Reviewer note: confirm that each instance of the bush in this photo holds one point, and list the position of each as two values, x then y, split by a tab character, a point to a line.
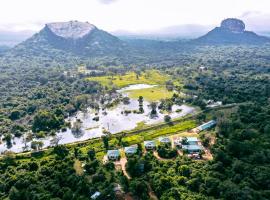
166	152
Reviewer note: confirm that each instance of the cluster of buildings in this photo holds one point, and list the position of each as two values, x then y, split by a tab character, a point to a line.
190	145
115	154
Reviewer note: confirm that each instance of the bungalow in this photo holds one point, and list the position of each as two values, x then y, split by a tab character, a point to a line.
194	148
131	150
95	195
207	125
164	140
192	145
192	141
149	145
113	154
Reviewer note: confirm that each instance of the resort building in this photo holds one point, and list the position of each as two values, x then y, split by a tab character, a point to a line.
164	140
149	145
113	154
207	125
131	150
192	145
95	195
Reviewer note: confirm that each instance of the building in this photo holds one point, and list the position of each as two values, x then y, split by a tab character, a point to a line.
113	154
95	195
207	125
164	140
192	145
149	145
131	150
192	140
192	148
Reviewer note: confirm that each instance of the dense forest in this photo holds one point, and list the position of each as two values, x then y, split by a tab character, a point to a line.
38	95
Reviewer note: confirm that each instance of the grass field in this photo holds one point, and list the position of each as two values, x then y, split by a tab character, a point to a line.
151	94
151	77
157	132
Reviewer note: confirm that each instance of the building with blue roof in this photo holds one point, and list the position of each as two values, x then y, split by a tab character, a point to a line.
165	140
192	140
113	154
194	148
192	145
131	150
149	144
207	125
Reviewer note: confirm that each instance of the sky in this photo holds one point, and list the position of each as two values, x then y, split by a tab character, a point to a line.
132	15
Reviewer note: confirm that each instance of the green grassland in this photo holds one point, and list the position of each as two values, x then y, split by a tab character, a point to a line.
151	94
151	77
162	131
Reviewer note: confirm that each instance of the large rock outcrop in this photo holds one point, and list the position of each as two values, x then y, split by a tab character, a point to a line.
233	25
231	31
71	29
75	38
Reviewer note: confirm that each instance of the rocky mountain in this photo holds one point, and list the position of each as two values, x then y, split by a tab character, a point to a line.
231	31
74	38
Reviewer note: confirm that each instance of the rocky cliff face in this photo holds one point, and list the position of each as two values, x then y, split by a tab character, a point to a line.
233	25
231	31
71	29
73	37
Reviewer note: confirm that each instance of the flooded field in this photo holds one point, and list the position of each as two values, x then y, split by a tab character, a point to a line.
113	120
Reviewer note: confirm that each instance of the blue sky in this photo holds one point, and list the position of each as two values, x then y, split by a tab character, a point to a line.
132	15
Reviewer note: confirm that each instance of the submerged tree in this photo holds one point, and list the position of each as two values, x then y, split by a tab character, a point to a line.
140	100
153	106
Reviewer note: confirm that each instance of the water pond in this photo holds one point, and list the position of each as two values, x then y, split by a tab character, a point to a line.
113	120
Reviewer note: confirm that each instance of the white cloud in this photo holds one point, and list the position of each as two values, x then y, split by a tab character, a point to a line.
131	15
107	1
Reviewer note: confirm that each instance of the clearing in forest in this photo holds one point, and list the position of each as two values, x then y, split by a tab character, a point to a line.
151	94
151	77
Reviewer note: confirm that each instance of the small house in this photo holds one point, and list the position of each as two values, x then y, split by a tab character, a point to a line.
207	125
149	145
113	154
192	140
164	140
131	150
95	195
191	149
192	145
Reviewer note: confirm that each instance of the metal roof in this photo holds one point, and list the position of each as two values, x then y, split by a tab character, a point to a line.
113	152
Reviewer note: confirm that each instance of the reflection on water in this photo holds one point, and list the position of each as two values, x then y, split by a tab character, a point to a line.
114	121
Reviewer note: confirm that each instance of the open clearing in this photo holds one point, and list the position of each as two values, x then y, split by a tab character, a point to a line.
151	94
151	77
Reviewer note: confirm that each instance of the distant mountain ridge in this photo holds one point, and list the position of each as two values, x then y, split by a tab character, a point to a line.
231	31
72	42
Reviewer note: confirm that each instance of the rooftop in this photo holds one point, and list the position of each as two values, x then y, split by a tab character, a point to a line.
113	152
164	139
192	147
207	125
131	149
192	139
95	195
150	142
